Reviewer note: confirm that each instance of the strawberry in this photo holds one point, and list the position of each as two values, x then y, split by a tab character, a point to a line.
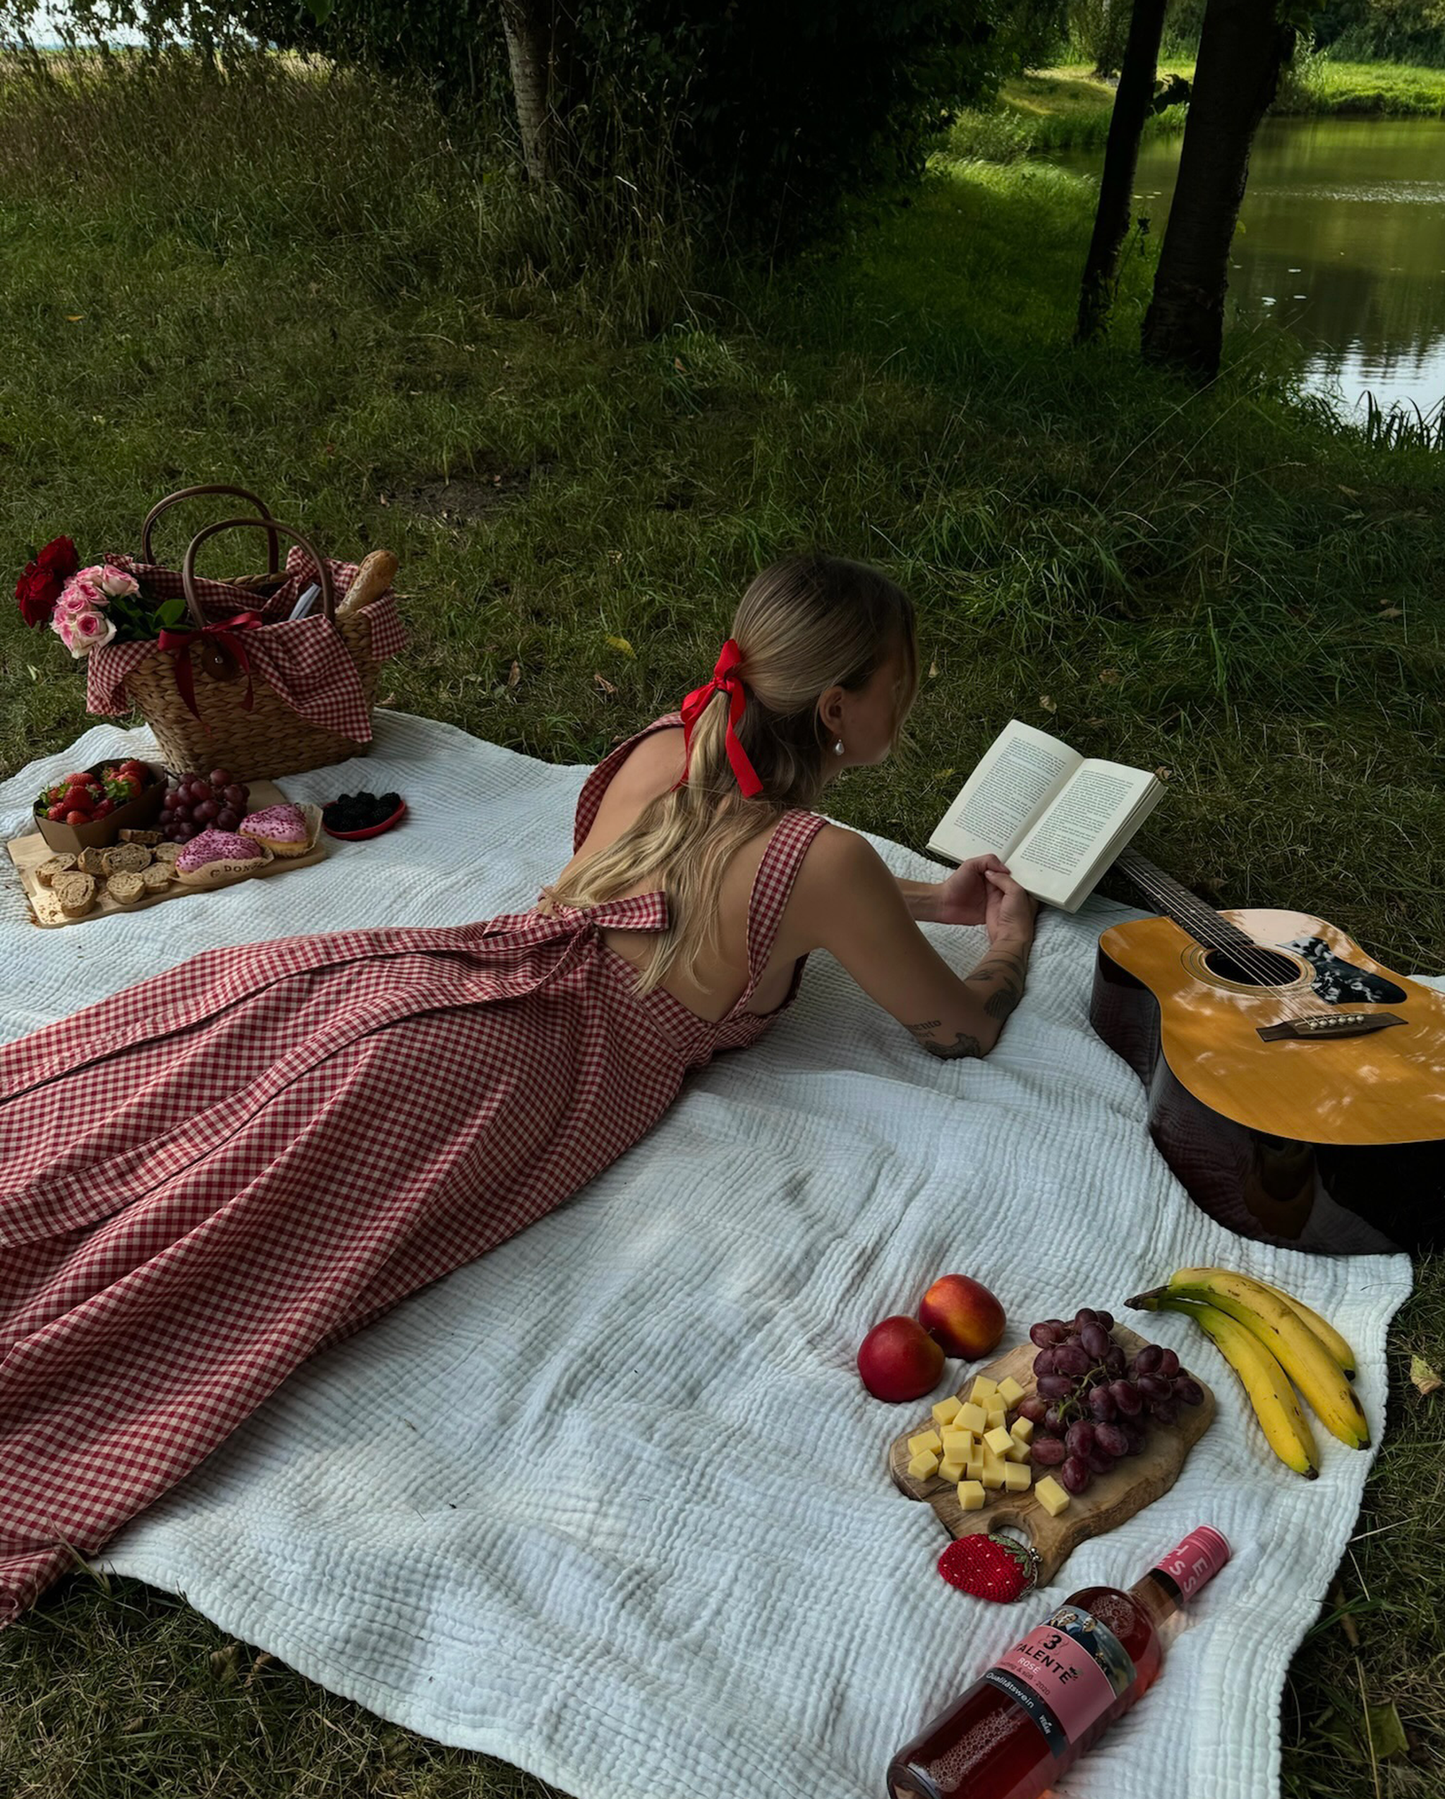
56	815
76	779
103	809
77	818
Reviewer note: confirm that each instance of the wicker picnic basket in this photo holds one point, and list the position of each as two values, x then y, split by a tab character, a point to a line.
199	688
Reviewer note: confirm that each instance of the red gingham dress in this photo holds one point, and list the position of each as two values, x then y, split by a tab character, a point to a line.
211	1175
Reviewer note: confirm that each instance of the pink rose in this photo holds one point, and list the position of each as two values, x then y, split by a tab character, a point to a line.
116	584
81	595
82	630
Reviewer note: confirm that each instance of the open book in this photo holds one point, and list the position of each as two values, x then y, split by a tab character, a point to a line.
1056	818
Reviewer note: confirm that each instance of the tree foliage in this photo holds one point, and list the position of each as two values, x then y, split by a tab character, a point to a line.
769	110
1408	31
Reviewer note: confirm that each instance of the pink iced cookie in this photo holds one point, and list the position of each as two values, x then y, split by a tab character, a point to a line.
216	846
283	829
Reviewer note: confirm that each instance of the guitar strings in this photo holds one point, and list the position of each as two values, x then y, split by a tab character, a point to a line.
1251	956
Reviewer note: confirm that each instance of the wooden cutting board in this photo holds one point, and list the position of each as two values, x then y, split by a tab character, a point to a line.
29	851
1130	1485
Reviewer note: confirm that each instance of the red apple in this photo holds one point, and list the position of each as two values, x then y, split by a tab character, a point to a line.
899	1360
962	1316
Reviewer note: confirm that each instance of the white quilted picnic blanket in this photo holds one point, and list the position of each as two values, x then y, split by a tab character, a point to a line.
611	1503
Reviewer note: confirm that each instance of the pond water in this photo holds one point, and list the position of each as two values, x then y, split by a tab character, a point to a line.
1342	243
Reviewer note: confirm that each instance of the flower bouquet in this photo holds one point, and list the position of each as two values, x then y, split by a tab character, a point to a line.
88	607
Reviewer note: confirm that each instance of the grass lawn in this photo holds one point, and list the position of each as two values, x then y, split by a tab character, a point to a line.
257	282
1070	107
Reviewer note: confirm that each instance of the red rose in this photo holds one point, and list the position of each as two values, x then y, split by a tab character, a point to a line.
43	579
60	557
37	591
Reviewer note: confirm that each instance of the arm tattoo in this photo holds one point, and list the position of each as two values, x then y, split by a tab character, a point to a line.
962	1045
1007	971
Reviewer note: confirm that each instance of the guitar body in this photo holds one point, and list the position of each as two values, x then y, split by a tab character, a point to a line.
1290	1138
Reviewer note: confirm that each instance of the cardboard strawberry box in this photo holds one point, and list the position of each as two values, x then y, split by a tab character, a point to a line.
138	814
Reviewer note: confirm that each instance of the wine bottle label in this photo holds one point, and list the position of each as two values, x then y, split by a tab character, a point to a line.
1198	1558
1065	1674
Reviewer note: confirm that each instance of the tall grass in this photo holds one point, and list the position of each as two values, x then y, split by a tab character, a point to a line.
304	281
1069	107
388	197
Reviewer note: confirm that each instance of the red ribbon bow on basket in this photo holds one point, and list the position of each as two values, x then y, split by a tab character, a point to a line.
177	645
725	679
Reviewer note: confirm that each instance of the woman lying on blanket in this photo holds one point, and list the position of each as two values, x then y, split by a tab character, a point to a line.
209	1176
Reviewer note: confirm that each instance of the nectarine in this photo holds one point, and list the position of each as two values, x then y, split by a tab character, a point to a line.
899	1360
962	1316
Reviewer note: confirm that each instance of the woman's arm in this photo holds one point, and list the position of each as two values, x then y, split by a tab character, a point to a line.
846	901
961	898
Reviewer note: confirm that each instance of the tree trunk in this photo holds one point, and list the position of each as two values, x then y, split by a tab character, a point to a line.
1132	106
1242	48
540	38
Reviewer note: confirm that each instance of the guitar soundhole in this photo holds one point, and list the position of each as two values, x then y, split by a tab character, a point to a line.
1259	968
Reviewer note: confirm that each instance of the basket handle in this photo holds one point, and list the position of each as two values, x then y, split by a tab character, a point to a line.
267	524
186	493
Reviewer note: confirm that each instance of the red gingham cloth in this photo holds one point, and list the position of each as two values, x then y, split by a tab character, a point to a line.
212	1174
307	663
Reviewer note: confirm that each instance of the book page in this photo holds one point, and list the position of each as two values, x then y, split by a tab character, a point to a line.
1019	774
1089	821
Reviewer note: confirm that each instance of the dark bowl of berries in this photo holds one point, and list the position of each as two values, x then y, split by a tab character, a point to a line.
357	815
90	807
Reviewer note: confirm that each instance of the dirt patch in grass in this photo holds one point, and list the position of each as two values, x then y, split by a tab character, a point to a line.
460	500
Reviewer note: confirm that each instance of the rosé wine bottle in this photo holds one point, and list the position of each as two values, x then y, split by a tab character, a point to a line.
1055	1693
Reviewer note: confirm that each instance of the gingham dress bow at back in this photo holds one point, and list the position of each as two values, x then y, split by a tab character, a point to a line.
213	1174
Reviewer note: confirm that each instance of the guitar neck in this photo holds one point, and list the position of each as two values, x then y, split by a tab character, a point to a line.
1188	911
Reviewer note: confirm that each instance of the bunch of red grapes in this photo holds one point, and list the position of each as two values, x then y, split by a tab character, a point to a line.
195	803
1091	1404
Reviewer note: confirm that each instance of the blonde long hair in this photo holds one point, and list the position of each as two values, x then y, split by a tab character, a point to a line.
804	625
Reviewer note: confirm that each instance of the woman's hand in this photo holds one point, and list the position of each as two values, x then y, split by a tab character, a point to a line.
964	897
1009	913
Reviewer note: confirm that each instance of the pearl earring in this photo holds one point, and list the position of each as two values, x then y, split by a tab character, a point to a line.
838	747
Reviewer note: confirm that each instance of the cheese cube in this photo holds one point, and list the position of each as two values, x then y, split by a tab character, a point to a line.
957	1442
984	1392
974	1418
970	1495
923	1466
1016	1477
1017	1452
950	1469
946	1410
993	1468
1022	1430
1009	1391
1051	1496
925	1441
996	1416
998	1440
973	1467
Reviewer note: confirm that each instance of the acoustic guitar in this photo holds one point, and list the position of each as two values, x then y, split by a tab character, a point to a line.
1296	1086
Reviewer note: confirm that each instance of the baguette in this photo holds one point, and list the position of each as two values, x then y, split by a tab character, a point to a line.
76	893
57	865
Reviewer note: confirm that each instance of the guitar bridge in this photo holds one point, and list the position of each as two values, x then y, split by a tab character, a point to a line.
1330	1024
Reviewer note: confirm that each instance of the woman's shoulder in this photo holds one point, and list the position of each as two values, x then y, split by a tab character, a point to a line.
654	761
839	884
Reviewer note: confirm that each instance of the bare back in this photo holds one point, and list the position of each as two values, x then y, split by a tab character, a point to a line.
652	769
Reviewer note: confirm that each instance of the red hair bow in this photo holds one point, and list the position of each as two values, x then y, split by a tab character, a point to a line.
725	679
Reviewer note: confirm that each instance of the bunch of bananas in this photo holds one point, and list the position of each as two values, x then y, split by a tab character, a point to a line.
1271	1339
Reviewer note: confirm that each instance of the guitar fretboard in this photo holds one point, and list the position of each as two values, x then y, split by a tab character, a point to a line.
1187	910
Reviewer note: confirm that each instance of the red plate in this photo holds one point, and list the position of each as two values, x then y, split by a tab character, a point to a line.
371	830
